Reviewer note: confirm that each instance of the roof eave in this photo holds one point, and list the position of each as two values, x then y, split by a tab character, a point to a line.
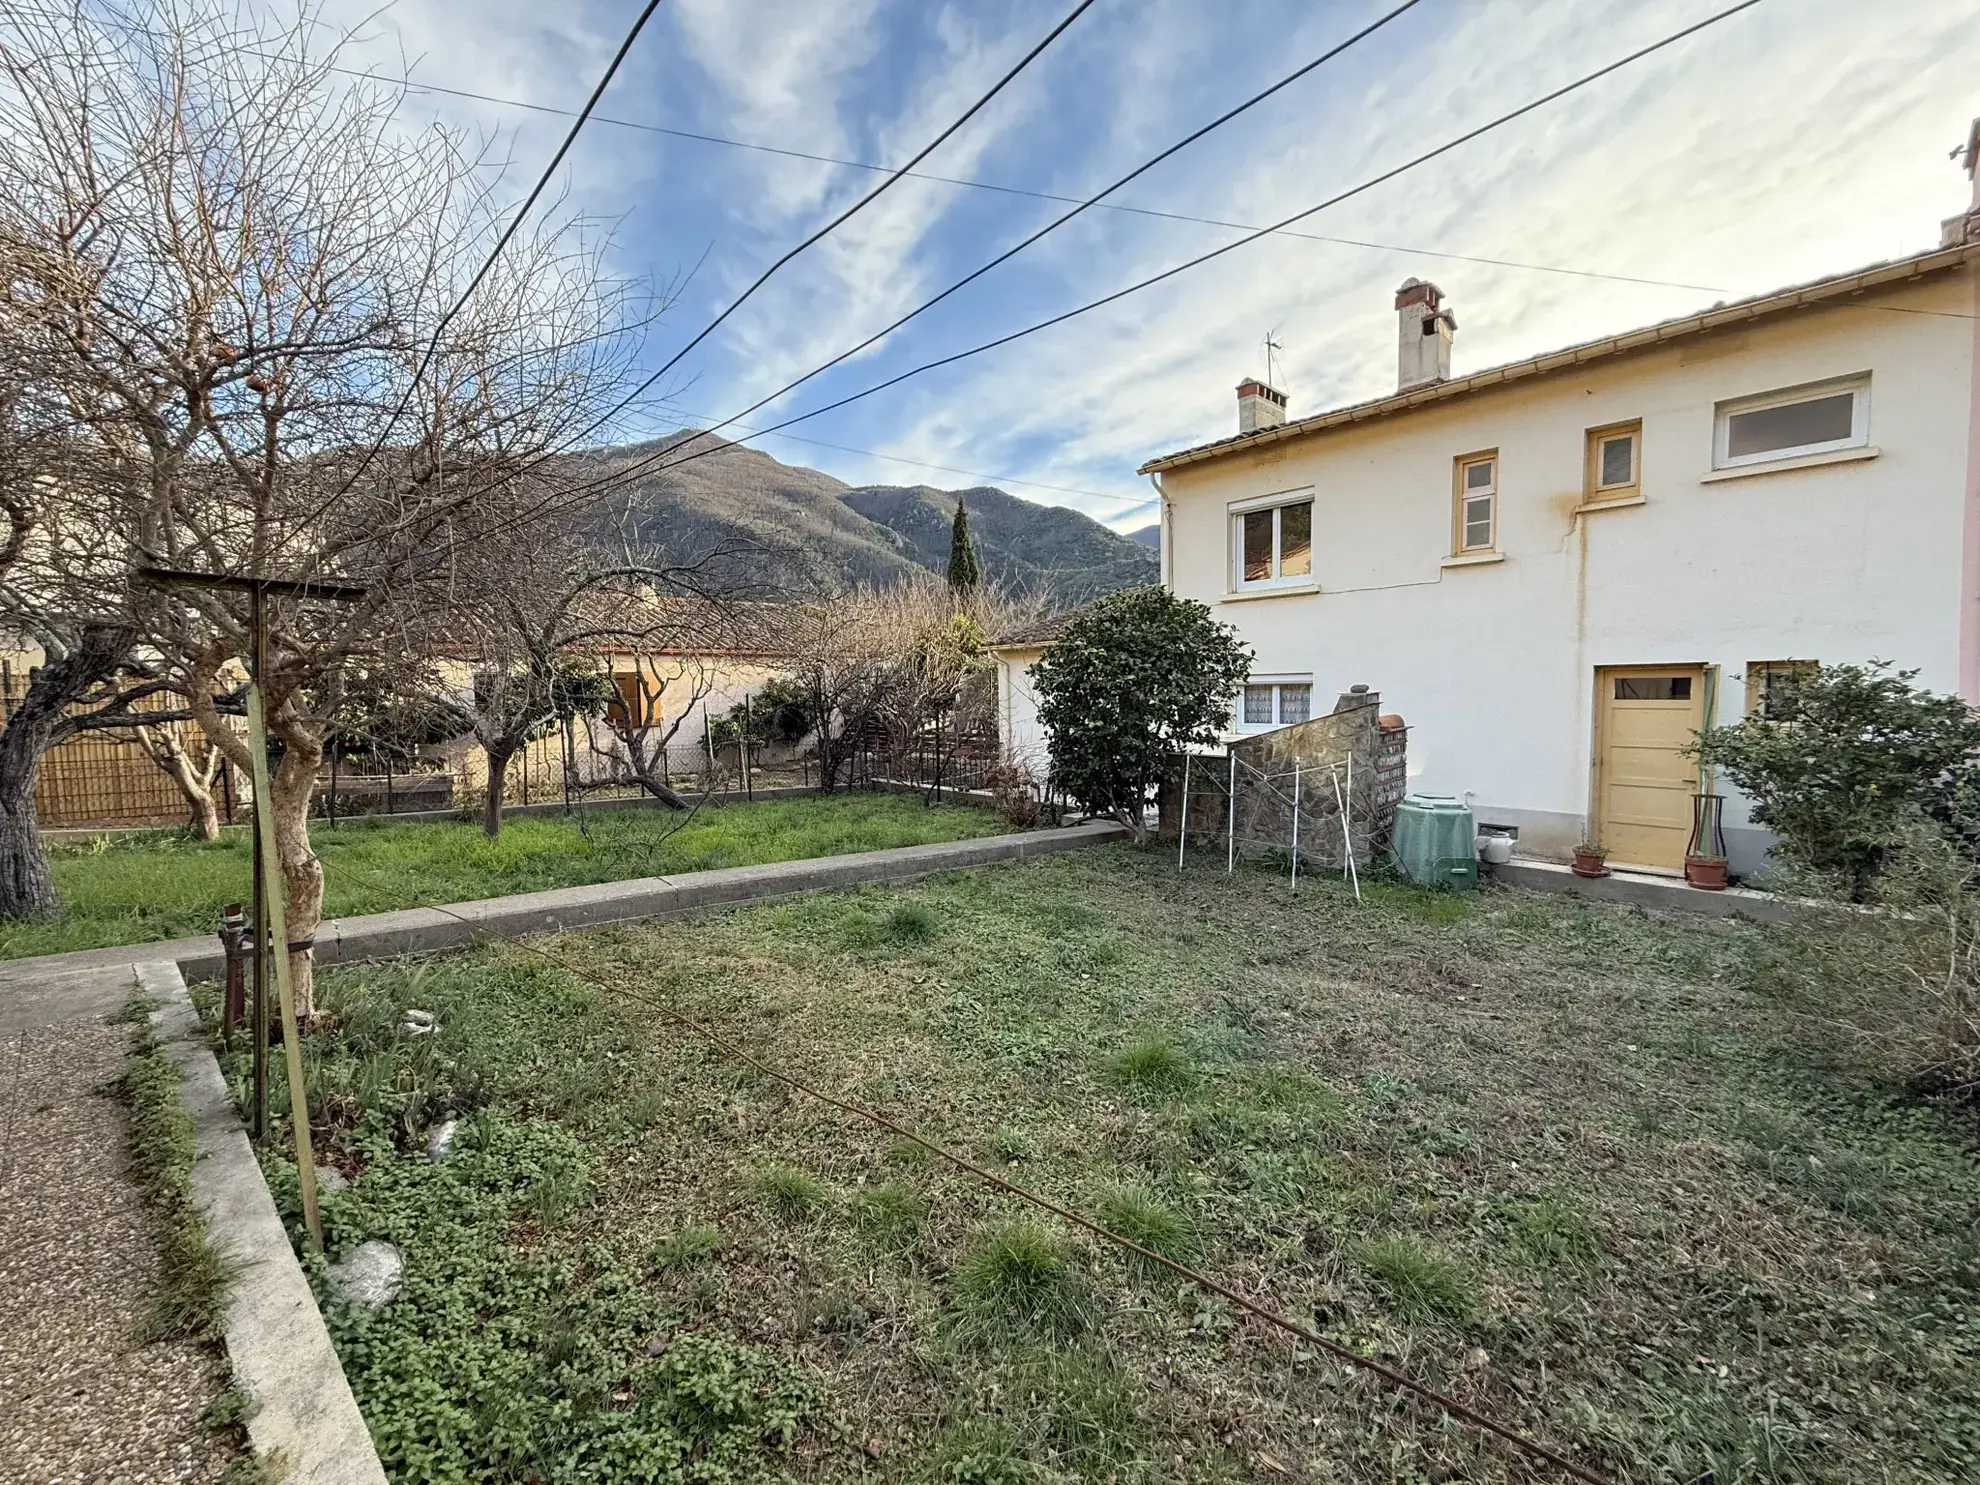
1806	295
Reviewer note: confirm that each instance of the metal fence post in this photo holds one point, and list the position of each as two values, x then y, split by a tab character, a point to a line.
1182	819
1230	822
1295	861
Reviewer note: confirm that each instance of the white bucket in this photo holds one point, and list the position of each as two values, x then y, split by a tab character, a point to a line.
1495	849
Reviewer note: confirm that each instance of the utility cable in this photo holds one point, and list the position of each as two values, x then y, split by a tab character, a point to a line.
508	232
860	205
1168	273
1400	1380
413	86
1052	226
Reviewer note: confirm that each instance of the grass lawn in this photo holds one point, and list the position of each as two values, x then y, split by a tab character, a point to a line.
1564	1161
138	888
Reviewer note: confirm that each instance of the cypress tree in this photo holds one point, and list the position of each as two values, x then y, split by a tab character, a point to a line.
964	574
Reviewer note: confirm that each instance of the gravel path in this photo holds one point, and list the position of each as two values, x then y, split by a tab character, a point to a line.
85	1399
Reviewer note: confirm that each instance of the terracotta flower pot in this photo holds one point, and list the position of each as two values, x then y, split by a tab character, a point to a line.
1589	864
1708	873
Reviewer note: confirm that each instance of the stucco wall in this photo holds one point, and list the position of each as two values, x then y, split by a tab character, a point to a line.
1018	729
1493	664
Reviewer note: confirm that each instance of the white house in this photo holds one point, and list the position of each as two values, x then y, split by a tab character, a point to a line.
1557	570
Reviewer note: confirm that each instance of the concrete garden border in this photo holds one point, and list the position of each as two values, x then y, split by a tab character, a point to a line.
303	1415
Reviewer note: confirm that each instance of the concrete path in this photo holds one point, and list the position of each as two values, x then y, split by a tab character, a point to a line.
51	988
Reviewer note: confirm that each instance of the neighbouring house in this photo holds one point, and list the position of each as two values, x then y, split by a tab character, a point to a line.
1019	731
1560	568
675	667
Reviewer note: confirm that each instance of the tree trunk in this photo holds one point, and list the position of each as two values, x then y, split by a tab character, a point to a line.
27	887
293	788
195	781
291	791
498	781
44	717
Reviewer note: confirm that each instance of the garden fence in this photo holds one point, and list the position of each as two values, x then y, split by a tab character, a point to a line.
106	779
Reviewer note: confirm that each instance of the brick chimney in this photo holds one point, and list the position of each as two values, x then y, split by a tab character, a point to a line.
1259	406
1966	226
1423	335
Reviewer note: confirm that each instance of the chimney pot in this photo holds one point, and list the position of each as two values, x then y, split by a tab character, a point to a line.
1424	329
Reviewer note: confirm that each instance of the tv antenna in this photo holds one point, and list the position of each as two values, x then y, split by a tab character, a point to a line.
1271	344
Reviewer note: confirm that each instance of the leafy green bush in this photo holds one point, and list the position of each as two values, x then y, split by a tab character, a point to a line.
1134	680
1844	757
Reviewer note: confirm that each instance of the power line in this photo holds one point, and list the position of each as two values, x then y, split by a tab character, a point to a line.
1203	258
867	200
542	184
1064	217
1006	190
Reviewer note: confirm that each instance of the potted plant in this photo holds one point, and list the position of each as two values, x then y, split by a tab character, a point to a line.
1588	860
1706	872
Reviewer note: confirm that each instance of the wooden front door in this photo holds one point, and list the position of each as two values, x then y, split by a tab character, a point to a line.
1645	716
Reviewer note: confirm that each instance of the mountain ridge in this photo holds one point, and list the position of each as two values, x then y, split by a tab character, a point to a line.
791	526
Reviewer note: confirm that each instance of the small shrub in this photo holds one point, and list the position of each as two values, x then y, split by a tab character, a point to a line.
891	1213
1144	1218
1018	796
1019	1277
1422	1284
686	1247
1153	1064
1842	757
788	1192
911	923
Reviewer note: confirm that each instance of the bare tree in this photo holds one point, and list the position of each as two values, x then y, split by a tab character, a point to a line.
636	717
194	770
883	665
250	279
63	603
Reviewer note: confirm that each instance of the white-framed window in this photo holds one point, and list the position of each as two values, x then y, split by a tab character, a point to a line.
1272	542
1475	503
1274	703
1812	419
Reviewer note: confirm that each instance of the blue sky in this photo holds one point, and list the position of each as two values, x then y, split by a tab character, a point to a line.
1799	138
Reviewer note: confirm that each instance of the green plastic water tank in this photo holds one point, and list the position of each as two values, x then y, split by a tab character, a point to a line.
1437	842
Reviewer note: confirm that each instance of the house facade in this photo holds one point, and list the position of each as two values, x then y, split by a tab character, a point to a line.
1558	570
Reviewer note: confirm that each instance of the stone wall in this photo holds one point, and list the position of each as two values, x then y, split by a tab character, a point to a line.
1353	756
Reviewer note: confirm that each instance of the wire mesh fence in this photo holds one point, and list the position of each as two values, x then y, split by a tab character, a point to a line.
109	779
1305	817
